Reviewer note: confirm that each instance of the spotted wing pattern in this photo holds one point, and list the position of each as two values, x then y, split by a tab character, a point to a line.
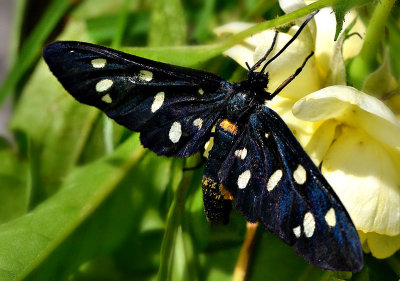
273	181
174	108
255	161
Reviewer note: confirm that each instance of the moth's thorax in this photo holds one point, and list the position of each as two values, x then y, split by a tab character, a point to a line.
247	94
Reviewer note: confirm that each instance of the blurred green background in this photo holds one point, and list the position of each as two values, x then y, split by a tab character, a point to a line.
80	199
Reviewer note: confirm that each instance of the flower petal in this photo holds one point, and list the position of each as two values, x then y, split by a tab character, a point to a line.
365	176
353	107
289	6
320	141
241	55
232	27
287	63
303	130
382	246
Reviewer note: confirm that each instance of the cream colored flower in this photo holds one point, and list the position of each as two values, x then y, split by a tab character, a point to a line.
362	160
354	135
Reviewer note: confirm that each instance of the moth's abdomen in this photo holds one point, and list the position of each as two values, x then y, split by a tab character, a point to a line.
217	198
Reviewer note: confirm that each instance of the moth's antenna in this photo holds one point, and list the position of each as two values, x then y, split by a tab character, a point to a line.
266	54
290	41
291	77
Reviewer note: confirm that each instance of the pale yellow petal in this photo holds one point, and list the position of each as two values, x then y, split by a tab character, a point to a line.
303	130
235	27
287	63
241	55
337	69
353	107
352	46
324	45
320	105
289	6
232	28
364	243
366	176
382	246
320	141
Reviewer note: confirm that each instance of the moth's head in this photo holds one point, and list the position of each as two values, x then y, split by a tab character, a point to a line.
258	81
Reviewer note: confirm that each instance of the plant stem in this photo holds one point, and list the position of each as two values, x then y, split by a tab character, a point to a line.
245	254
365	62
174	220
394	263
235	39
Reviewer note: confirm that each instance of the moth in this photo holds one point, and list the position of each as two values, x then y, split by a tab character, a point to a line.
255	163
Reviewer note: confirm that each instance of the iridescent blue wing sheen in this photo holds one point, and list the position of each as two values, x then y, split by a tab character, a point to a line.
273	181
173	107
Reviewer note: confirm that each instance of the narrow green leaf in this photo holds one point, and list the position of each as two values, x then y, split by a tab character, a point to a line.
381	81
14	188
340	9
174	220
193	55
179	55
101	29
168	26
33	45
57	125
28	241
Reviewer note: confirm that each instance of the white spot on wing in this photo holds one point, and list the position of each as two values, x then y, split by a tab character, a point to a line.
297	231
266	135
99	63
198	123
103	85
330	217
146	75
241	153
300	175
274	180
309	224
243	179
201	91
158	101
175	132
106	98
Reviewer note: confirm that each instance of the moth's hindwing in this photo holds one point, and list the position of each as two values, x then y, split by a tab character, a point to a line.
174	108
273	181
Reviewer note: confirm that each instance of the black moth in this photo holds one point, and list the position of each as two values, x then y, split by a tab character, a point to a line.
255	161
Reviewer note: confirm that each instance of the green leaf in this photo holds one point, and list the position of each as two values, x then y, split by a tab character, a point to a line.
31	50
273	258
14	187
337	69
168	26
102	28
42	235
179	55
57	125
341	7
381	81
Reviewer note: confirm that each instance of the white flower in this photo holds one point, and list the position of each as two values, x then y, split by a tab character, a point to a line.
354	135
